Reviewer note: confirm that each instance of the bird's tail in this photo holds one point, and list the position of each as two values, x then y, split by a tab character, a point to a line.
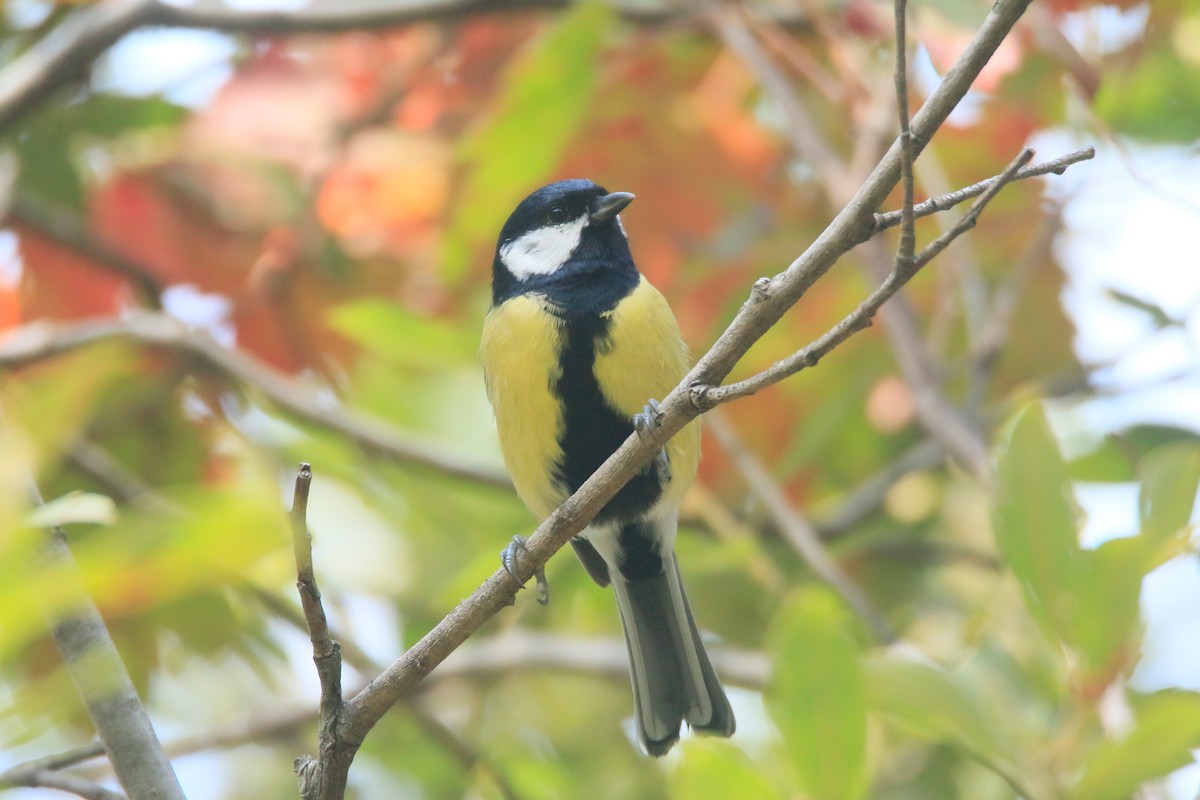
673	680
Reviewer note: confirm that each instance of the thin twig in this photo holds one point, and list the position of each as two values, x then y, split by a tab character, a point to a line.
64	782
968	220
890	219
65	54
40	340
906	249
797	530
935	411
469	757
254	728
103	683
769	301
707	397
317	784
116	480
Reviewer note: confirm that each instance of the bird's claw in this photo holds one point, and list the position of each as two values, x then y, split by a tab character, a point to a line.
508	559
645	423
649	420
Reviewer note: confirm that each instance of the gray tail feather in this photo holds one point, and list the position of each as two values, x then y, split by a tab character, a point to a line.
673	679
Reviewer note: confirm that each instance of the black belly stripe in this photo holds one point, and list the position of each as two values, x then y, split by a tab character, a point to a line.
593	430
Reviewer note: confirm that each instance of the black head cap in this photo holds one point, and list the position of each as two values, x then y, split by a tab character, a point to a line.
565	234
554	204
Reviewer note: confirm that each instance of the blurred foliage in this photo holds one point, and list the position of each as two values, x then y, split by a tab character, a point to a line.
329	210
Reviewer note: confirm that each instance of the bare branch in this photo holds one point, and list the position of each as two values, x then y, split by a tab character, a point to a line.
66	54
908	236
796	529
935	411
890	219
968	220
317	783
102	681
41	340
706	397
770	299
63	782
456	745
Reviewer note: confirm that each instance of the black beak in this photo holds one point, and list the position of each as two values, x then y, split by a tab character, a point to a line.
608	206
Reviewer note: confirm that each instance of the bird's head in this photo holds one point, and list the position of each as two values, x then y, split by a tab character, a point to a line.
562	232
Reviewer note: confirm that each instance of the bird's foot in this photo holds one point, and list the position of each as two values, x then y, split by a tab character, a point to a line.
649	420
645	423
508	559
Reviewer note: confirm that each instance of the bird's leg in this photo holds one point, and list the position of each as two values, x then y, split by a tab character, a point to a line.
645	424
508	559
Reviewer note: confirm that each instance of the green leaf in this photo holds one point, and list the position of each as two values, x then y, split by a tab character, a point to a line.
716	770
402	337
1167	729
817	697
72	508
540	108
50	144
1108	462
1035	515
930	704
1104	588
1135	101
1170	476
51	402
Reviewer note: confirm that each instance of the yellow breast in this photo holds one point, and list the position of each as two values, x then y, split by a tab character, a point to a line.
520	349
642	357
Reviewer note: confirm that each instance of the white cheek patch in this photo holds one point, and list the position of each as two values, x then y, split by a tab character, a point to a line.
542	251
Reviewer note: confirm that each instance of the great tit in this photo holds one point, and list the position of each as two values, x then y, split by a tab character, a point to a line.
575	345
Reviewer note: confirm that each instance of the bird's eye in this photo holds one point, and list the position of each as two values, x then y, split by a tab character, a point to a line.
557	215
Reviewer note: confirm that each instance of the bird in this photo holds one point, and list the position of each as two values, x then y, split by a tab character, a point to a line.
576	347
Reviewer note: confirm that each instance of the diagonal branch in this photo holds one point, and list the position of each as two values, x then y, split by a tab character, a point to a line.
64	782
935	411
707	397
968	220
40	340
66	54
1057	166
770	299
102	681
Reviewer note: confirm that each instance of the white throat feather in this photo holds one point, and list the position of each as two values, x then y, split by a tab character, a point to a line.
544	250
